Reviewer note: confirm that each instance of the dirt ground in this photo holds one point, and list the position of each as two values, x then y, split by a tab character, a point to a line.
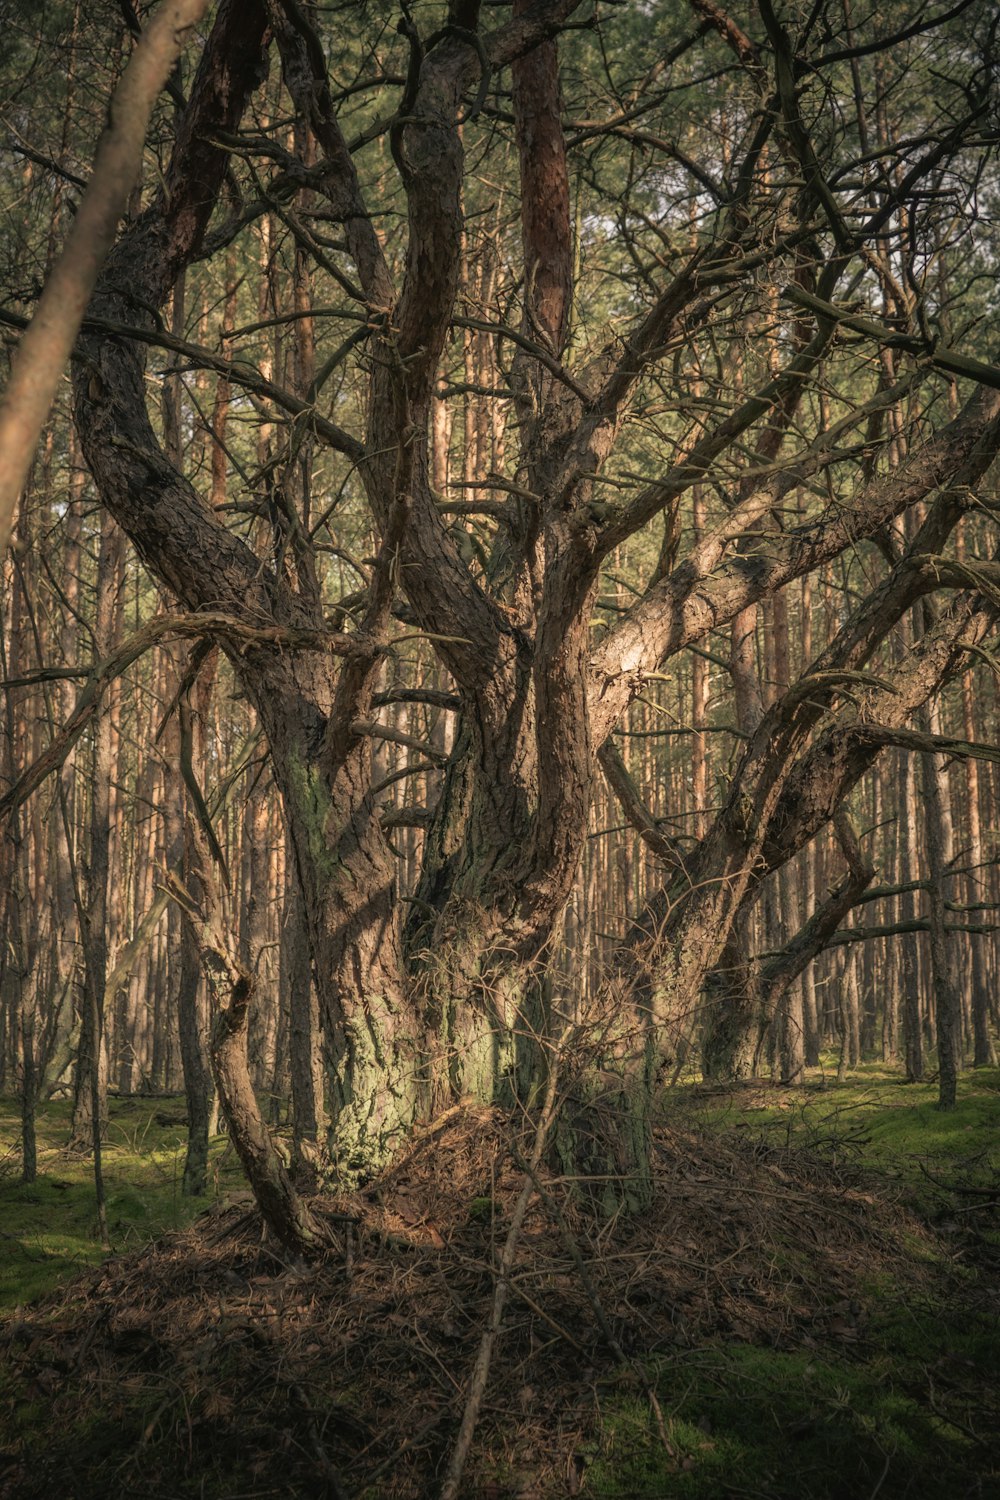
204	1366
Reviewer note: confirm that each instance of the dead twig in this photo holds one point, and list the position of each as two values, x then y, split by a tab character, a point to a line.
484	1357
569	1240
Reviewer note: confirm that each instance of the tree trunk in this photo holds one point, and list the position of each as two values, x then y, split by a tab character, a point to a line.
284	1211
193	1019
910	960
309	1124
984	1053
90	1097
947	1016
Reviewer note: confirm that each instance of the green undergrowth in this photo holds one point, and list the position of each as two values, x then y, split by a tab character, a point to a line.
911	1409
868	1366
906	1402
48	1228
876	1119
740	1420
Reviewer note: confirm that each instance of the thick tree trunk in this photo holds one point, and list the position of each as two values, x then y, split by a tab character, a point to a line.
376	1035
322	765
537	703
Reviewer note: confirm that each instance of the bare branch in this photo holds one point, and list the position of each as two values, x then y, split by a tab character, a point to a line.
45	349
235	632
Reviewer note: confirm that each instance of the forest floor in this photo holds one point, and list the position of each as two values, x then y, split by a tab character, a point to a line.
812	1310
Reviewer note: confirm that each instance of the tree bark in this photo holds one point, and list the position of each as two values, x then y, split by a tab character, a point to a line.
946	1009
284	1212
467	1000
193	1018
90	1095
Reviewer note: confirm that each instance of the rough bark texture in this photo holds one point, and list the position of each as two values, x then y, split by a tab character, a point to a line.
193	1019
283	1210
464	1002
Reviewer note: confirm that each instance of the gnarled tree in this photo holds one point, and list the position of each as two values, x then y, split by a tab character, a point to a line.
714	334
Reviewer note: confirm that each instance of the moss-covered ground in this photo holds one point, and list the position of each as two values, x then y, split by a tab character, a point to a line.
894	1128
812	1310
48	1228
902	1396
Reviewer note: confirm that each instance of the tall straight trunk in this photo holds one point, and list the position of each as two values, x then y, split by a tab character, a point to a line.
793	1023
161	1007
91	1099
64	824
791	1041
193	1017
133	992
810	1023
280	1083
909	944
90	1096
984	1053
842	969
699	700
19	959
305	1040
29	1086
254	931
946	1004
810	1030
854	999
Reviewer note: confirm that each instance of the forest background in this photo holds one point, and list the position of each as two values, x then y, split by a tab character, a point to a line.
503	611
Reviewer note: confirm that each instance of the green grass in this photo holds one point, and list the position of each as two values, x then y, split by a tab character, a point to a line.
48	1229
747	1421
894	1127
911	1410
907	1407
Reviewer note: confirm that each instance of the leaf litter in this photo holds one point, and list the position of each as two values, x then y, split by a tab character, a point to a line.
205	1366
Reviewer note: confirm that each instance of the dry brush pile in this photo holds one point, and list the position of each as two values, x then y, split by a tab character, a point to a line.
204	1365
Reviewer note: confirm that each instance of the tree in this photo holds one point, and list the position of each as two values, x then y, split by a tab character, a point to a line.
721	303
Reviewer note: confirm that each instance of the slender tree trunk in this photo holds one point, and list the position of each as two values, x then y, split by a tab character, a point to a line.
193	1019
984	1053
810	1007
283	1210
947	1016
90	1098
910	956
842	969
254	948
793	1050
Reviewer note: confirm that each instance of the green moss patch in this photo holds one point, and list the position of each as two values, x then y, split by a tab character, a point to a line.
874	1118
742	1420
48	1228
